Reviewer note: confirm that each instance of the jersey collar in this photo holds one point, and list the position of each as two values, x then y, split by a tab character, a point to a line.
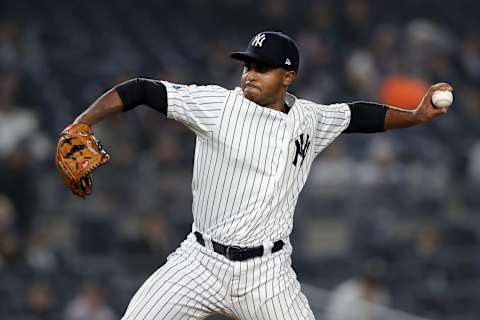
290	99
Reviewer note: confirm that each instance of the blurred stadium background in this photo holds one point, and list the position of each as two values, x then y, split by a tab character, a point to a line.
391	219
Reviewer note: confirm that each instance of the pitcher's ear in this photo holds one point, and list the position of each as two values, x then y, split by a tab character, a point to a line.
289	77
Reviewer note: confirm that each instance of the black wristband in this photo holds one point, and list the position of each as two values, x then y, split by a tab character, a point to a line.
139	91
366	117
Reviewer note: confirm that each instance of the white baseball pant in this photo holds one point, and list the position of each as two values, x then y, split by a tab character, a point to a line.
197	282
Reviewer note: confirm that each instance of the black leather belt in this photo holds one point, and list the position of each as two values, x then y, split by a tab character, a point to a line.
235	253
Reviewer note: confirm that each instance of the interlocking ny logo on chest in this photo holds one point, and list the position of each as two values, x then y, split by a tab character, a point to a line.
301	145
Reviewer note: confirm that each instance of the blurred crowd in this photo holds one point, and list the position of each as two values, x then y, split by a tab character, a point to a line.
406	199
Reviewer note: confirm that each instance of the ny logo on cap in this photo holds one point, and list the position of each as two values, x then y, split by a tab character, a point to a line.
287	62
258	40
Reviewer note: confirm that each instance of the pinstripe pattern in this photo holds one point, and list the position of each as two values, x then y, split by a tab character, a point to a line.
196	282
245	186
191	285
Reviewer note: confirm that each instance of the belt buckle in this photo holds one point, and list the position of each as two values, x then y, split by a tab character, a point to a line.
229	254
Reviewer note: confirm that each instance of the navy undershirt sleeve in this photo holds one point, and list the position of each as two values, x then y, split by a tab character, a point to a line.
366	117
138	91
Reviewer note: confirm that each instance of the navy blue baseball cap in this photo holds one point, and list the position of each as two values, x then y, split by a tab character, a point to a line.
273	48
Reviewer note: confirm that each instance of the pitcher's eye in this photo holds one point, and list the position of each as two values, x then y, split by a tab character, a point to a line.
263	68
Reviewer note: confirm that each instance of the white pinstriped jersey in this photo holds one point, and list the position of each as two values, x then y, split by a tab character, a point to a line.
251	162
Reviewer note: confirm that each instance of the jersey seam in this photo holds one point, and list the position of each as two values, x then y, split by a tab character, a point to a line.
216	126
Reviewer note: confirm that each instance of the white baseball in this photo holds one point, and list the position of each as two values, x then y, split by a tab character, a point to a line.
442	98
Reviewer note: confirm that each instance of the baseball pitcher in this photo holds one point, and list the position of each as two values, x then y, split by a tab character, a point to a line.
255	145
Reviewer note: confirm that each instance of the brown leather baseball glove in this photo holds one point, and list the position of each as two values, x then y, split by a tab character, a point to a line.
78	154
